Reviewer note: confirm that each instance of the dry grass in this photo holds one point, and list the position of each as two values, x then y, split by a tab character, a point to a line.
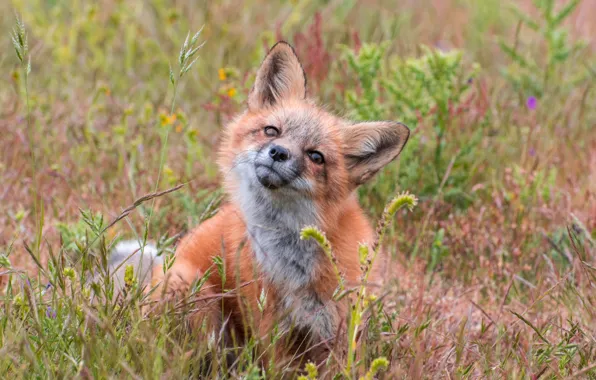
511	290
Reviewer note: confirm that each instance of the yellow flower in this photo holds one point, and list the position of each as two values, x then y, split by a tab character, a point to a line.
232	92
129	276
222	74
163	119
103	88
179	128
168	171
169	175
166	120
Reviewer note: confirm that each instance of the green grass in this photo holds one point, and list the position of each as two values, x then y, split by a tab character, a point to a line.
494	270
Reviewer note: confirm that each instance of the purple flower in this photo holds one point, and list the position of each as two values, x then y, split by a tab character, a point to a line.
532	102
532	152
50	313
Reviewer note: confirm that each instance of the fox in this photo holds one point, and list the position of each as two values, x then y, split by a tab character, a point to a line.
286	163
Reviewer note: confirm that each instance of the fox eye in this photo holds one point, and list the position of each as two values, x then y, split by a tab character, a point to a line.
271	131
316	157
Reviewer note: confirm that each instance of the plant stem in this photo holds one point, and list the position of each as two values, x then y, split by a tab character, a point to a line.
164	148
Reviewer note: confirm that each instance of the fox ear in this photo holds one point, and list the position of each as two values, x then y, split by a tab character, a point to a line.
370	146
280	77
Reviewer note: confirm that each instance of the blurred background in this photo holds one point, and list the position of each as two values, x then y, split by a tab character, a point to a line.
492	91
499	95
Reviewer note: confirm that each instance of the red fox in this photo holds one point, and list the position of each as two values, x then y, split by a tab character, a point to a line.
286	164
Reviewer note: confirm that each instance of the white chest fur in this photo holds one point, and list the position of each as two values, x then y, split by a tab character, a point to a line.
274	222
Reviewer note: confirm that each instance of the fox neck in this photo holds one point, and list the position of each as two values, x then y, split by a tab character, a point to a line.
274	221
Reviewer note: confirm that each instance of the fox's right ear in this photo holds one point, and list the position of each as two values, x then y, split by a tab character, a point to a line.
280	77
369	146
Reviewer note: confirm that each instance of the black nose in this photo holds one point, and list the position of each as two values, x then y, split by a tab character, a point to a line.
278	153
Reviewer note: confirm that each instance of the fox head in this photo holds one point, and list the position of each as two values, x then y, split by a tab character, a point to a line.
284	150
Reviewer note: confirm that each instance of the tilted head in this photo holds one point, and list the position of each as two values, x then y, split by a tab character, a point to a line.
284	148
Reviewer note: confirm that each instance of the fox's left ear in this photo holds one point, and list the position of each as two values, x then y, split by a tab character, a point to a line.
280	77
370	146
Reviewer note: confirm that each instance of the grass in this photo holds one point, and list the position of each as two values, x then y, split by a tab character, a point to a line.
492	274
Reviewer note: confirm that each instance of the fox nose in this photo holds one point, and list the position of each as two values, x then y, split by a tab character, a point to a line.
279	153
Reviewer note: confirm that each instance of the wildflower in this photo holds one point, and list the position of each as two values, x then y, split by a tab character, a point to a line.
181	116
222	74
311	372
311	369
192	134
69	272
19	300
532	102
403	199
179	128
20	215
378	365
169	175
50	313
129	276
166	120
370	299
168	171
103	88
232	92
46	288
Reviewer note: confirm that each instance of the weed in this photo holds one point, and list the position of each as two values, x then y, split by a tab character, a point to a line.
491	275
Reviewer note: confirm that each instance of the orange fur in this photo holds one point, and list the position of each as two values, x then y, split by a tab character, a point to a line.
339	214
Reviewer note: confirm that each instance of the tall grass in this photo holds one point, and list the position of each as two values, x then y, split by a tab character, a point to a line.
492	275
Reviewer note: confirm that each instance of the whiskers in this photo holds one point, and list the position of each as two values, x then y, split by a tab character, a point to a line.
246	156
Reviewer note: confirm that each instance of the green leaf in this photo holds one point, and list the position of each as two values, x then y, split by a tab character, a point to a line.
531	326
524	18
565	12
185	69
196	36
183	50
547	9
561	55
171	75
192	52
513	54
19	56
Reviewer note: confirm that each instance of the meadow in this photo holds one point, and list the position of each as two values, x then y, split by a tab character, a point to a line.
108	131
